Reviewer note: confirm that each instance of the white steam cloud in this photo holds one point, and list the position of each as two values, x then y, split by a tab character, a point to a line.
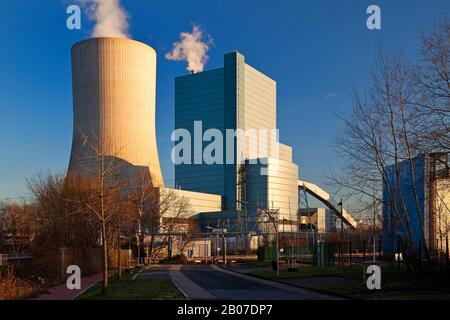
110	18
192	49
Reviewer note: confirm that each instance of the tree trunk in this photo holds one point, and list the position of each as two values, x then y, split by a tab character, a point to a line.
150	250
119	266
105	258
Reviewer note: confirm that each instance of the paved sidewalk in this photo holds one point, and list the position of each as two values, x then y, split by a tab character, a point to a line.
61	292
188	288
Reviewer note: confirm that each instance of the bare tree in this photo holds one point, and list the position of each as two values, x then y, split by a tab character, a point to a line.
58	216
157	211
178	223
122	221
104	171
144	209
16	227
433	83
405	114
3	213
377	138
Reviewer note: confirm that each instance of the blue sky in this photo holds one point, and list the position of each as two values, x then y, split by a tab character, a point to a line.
317	51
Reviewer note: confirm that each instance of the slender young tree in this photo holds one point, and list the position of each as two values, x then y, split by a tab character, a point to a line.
404	114
104	170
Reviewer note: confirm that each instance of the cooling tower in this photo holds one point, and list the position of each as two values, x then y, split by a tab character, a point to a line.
114	86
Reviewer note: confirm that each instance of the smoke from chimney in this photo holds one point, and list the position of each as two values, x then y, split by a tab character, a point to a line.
192	49
110	18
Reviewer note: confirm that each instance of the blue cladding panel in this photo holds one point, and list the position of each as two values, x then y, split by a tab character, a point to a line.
394	197
199	97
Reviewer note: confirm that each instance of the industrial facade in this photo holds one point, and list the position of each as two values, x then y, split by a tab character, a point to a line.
430	182
238	97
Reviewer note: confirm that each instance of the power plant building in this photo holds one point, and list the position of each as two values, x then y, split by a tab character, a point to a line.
114	90
261	173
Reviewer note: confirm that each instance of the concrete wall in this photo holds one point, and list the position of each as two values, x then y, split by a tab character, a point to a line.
114	83
199	249
198	201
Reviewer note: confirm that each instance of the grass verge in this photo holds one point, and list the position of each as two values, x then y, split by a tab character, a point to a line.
129	289
311	271
395	285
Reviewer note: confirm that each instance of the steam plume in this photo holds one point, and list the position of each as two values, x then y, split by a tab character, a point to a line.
110	18
192	49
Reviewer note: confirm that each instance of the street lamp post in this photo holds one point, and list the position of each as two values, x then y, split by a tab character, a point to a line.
224	247
221	232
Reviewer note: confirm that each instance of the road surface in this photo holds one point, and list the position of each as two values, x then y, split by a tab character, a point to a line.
211	282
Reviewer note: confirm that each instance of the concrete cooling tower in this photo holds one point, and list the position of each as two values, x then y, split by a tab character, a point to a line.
114	86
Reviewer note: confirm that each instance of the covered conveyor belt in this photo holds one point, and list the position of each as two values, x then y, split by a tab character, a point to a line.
325	197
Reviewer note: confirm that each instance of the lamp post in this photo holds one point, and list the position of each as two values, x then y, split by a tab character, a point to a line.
224	247
221	232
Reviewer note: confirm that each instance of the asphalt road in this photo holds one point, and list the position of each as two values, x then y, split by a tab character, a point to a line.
227	285
206	282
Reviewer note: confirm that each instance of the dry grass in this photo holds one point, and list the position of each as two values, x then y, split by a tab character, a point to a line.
14	288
